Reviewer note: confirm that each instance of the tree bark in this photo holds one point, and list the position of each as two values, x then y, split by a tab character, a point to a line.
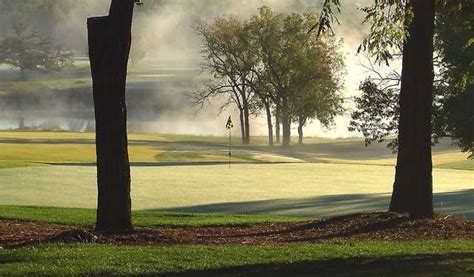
277	122
247	121
109	48
286	121
242	125
269	123
413	187
301	123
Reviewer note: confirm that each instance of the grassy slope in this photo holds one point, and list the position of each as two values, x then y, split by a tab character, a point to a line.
86	217
335	258
181	186
316	189
361	258
347	185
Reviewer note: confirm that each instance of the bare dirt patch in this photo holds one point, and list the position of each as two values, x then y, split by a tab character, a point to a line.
370	226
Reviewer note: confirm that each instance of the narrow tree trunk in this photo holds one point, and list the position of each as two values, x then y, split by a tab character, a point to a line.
277	122
301	123
286	120
109	47
247	122
269	124
413	187
242	125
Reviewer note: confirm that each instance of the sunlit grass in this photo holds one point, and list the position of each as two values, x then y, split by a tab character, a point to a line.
145	218
288	188
32	147
450	160
160	181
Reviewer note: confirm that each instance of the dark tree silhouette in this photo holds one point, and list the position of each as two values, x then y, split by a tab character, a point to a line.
109	48
413	187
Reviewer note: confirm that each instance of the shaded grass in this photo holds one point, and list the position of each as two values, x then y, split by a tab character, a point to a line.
372	258
86	217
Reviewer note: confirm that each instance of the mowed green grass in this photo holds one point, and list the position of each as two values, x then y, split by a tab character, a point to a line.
171	189
372	258
25	148
368	258
169	175
281	189
361	258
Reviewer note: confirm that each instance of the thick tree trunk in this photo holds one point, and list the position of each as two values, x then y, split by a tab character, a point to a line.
286	121
269	124
413	187
242	125
301	123
109	47
277	122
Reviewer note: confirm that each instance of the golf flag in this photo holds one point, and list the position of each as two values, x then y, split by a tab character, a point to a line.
229	124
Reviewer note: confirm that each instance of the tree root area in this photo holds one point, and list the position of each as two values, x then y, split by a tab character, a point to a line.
368	226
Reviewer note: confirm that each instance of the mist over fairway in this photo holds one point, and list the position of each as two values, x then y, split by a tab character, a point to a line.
159	86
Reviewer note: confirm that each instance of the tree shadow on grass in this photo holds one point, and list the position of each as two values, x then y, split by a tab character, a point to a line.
458	202
449	264
411	265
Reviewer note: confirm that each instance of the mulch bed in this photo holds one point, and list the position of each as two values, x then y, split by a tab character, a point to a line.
370	226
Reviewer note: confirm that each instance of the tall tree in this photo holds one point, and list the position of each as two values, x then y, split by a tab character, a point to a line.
413	187
229	58
377	113
319	98
109	48
302	68
412	22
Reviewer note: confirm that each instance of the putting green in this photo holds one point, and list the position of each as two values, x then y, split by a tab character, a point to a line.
285	189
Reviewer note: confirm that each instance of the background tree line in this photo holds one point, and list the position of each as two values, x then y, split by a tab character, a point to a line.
272	64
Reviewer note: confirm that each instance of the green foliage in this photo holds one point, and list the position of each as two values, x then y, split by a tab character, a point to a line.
273	59
377	110
459	114
228	57
454	41
25	49
454	29
327	17
388	21
299	67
